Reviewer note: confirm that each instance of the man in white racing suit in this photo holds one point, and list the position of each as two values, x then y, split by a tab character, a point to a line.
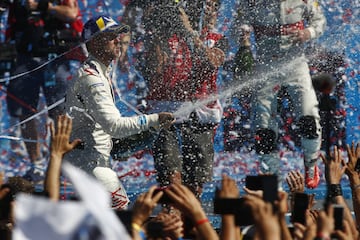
90	102
281	27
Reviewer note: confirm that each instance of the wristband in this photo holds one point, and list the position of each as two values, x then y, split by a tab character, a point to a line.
321	236
43	6
202	221
334	190
357	186
136	227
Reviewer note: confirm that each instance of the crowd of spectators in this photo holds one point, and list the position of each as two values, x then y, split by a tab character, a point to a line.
269	218
183	216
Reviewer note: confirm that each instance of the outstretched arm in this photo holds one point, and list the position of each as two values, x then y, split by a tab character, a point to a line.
66	12
229	189
142	209
282	208
266	221
334	169
188	204
59	146
354	178
214	55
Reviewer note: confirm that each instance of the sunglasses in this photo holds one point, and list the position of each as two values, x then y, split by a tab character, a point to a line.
106	36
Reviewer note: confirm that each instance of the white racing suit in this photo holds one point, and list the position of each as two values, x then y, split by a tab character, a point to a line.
282	63
96	119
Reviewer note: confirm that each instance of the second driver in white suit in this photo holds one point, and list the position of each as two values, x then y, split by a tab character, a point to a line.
281	27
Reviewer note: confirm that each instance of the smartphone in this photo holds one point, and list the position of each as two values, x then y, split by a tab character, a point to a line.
338	216
267	183
301	203
235	206
270	188
253	182
227	205
165	199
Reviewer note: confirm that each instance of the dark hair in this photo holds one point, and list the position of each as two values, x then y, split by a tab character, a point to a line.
164	21
19	184
15	185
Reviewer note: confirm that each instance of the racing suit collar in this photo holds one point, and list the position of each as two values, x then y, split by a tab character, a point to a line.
102	66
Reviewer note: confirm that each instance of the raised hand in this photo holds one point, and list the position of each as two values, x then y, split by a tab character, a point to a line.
334	166
229	188
295	181
144	205
354	156
60	138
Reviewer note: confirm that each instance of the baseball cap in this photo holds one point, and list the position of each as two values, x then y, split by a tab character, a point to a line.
100	24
